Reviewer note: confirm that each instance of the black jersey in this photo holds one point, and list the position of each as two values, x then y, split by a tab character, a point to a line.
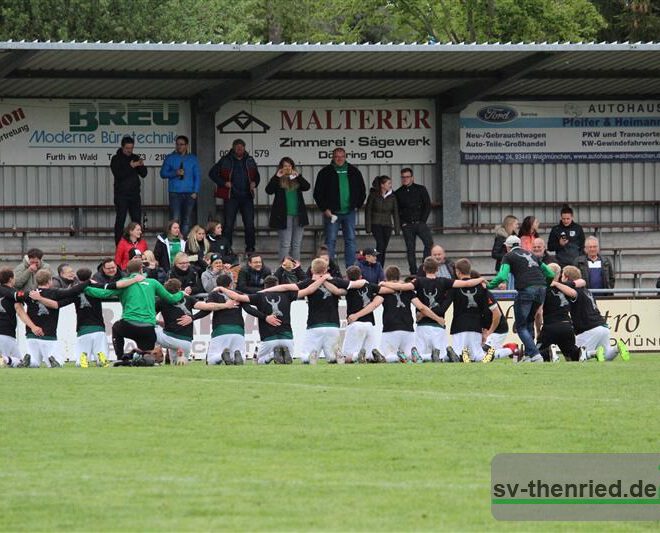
358	299
557	306
323	305
525	268
585	313
173	312
46	318
278	304
228	321
89	314
433	293
470	304
397	315
487	317
8	298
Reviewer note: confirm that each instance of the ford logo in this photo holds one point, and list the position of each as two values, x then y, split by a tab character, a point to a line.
497	113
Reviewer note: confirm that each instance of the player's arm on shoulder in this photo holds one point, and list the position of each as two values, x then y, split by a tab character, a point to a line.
378	300
127	282
284	287
398	286
309	288
562	287
239	297
48	302
467	283
426	311
97	292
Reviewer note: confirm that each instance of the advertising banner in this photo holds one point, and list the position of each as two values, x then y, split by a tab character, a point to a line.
88	132
371	131
633	321
547	132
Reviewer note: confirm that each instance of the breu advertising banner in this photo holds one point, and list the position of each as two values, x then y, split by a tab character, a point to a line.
88	132
371	131
559	132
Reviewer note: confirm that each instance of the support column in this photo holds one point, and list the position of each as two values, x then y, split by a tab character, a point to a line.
450	161
203	139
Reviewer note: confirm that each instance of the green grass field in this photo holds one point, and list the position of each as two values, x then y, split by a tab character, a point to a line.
371	447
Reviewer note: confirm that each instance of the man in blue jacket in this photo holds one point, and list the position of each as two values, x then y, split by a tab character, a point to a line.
182	170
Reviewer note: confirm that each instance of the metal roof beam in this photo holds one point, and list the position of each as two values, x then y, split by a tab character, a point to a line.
594	74
10	61
210	100
457	98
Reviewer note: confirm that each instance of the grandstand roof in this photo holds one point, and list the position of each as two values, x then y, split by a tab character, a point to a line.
213	74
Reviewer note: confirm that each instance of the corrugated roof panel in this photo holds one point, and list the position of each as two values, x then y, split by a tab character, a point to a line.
582	87
604	60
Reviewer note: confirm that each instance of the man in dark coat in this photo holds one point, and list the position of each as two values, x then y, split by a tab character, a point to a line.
339	192
127	169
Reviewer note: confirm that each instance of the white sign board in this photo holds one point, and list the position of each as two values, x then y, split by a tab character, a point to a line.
546	132
633	321
371	131
88	132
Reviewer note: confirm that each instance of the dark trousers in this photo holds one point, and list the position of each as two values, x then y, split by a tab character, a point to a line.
382	236
561	334
143	335
182	205
410	234
124	206
244	205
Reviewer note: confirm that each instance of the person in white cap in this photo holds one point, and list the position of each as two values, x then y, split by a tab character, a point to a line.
530	282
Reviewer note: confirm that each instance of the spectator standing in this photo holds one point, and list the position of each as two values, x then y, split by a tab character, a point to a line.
339	192
181	169
169	244
371	269
251	277
566	238
288	214
528	232
237	176
24	273
66	277
446	267
381	214
198	246
107	272
219	243
414	210
127	169
130	240
510	226
596	270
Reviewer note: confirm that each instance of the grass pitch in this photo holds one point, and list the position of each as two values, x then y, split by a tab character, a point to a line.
370	447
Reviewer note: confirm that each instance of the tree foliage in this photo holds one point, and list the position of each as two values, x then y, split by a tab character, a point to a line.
330	20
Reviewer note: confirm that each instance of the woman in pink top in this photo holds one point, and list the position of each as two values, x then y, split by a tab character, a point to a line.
528	232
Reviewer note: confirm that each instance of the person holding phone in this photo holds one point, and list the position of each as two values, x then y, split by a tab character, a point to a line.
127	169
566	238
288	214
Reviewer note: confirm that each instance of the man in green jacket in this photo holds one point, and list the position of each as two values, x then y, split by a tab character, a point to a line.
138	301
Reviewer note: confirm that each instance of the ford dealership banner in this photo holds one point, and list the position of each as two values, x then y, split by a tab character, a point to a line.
546	132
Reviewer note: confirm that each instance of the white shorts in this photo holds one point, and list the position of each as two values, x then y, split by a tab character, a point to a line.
358	336
41	349
496	340
9	348
593	338
229	341
92	344
470	340
430	337
172	343
393	341
319	340
266	354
